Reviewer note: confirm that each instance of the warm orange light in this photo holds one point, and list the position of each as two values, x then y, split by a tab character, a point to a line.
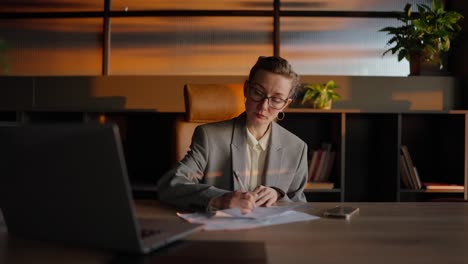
102	118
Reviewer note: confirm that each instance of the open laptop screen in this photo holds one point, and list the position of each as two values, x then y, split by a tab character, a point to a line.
67	182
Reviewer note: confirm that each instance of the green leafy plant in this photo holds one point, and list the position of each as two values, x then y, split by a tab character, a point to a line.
425	34
320	94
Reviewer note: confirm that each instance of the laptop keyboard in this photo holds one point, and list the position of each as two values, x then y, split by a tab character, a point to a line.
147	232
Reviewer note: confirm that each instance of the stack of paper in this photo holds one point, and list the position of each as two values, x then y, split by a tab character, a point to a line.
233	219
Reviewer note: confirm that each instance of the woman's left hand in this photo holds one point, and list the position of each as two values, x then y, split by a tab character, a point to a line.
266	196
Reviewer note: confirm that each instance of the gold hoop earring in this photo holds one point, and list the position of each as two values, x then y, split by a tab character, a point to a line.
282	116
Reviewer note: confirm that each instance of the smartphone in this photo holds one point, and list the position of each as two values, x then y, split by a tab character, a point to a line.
341	212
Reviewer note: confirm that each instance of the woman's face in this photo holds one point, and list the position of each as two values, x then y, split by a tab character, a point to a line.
260	110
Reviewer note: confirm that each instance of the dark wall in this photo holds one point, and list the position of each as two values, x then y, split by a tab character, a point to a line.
458	59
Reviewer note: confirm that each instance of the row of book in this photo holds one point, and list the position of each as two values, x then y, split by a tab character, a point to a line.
411	179
320	167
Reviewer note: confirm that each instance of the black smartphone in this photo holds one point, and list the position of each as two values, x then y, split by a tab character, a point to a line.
341	212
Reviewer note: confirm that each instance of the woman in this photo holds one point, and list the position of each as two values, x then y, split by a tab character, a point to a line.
248	161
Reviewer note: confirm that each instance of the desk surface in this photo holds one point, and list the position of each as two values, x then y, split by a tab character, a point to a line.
381	233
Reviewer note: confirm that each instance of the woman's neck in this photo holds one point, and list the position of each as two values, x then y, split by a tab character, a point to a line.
258	131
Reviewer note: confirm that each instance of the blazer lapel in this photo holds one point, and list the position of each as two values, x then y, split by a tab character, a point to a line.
274	159
238	149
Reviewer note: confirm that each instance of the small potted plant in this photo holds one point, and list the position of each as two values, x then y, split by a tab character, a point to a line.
423	36
320	95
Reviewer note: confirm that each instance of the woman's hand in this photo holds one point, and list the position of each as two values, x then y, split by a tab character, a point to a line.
266	196
245	201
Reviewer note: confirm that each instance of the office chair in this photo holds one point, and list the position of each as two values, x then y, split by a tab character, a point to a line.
205	103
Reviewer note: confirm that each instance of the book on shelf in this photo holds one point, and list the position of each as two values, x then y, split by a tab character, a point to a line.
320	185
314	161
324	162
443	186
328	166
321	163
418	179
412	171
405	177
323	159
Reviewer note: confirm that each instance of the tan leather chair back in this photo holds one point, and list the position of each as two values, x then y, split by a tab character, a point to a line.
205	103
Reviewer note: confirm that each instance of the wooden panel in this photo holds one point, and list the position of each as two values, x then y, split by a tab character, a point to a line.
165	93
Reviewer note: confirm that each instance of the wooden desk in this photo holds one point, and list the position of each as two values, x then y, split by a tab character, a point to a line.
381	233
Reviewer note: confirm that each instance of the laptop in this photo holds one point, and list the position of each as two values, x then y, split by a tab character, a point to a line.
68	183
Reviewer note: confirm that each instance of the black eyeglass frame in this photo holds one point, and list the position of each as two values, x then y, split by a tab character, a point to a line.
251	87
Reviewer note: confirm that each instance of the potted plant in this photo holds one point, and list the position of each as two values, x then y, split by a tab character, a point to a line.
320	95
423	36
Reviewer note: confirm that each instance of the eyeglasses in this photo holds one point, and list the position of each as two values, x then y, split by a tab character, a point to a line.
274	102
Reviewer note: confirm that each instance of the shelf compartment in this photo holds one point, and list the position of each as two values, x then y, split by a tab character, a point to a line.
315	128
423	196
371	157
147	138
436	143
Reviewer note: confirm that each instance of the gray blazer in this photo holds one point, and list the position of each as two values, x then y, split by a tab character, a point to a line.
215	164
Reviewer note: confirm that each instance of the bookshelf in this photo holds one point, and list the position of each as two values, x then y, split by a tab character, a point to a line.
437	144
316	128
367	168
367	145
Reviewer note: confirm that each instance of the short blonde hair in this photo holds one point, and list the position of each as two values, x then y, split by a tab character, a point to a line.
277	65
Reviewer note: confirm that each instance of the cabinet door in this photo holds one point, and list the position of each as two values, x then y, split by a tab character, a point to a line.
436	143
371	157
316	128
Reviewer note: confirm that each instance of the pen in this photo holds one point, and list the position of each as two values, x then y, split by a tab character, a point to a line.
241	183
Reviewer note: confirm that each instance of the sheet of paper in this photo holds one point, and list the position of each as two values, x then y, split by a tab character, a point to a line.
257	213
233	219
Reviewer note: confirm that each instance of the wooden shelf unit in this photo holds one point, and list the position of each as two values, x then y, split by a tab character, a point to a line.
367	145
366	167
